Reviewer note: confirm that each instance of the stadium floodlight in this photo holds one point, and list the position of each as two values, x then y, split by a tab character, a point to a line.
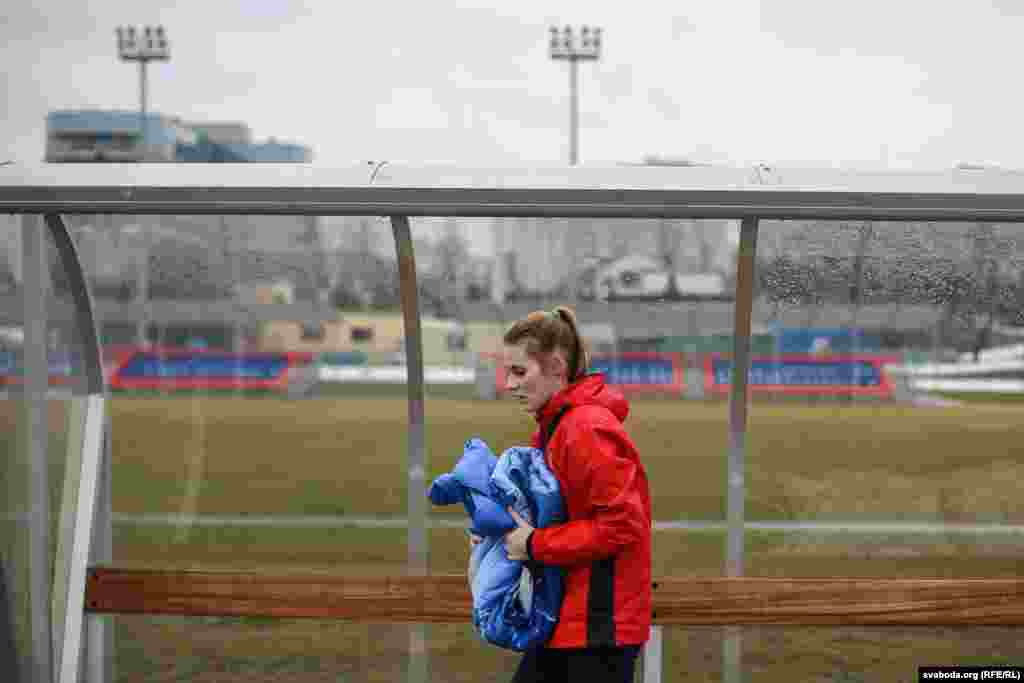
149	45
563	45
152	46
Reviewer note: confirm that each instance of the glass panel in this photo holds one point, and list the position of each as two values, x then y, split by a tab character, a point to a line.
27	588
217	463
68	387
888	444
205	470
653	335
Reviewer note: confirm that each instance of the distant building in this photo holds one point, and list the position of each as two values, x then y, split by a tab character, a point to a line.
533	256
377	338
117	136
639	276
188	258
263	293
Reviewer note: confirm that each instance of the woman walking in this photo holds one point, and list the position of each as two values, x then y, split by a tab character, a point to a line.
605	547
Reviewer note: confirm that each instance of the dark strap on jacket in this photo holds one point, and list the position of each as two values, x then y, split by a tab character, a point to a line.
546	437
601	589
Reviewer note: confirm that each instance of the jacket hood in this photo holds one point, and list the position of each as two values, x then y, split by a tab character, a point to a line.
589	390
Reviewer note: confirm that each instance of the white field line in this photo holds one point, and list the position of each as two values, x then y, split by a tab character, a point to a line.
396	374
987	386
194	473
961	369
1000	352
341	521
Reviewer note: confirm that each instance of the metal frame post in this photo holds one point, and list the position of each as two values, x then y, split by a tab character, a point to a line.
142	286
651	662
732	643
99	663
574	113
69	636
418	543
65	530
142	103
86	496
35	272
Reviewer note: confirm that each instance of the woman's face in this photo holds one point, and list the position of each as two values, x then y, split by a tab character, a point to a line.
526	379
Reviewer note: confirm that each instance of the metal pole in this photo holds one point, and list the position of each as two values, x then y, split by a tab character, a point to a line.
564	46
142	290
651	663
142	106
74	624
232	264
90	432
573	113
98	656
35	274
738	400
418	548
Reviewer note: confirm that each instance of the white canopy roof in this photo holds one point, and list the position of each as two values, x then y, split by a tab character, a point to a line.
554	191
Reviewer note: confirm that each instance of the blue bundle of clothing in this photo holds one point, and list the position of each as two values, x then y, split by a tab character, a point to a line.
515	604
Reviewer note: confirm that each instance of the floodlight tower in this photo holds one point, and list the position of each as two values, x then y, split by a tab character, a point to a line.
564	46
151	45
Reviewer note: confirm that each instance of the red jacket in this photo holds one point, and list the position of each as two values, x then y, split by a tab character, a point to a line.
605	547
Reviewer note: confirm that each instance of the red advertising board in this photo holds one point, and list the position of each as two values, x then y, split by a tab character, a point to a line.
181	369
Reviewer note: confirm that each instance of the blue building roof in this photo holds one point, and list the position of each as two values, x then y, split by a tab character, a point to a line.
164	130
211	152
159	129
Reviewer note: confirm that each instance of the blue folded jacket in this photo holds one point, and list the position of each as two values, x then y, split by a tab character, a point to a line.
515	606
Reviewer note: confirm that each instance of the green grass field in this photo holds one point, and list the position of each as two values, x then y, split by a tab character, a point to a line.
267	456
328	456
879	461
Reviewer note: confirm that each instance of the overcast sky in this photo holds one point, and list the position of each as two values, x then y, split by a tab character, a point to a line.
893	83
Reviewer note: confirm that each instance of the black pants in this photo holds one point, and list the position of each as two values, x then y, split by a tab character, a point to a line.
588	665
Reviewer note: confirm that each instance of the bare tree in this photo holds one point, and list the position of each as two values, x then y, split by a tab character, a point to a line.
452	259
971	271
668	250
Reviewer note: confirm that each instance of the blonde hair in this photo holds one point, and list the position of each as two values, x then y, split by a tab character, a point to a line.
545	331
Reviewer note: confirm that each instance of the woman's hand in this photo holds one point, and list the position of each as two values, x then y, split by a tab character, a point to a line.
515	540
474	541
